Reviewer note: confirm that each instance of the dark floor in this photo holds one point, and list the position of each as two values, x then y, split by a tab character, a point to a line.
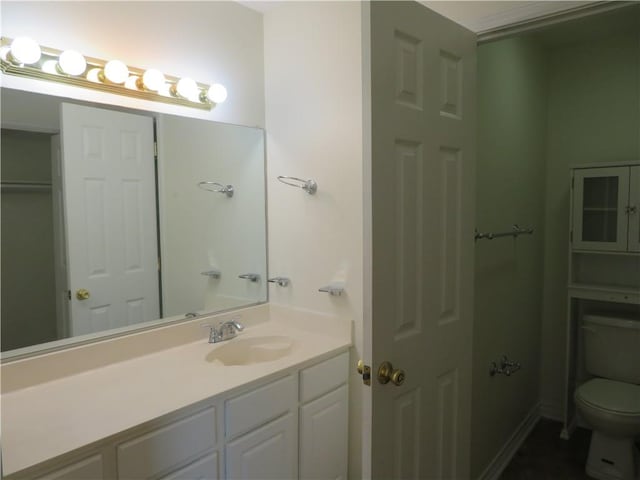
545	456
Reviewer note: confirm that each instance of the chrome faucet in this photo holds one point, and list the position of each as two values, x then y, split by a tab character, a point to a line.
225	330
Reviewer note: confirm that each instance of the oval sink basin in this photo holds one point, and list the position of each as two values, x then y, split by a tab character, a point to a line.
247	351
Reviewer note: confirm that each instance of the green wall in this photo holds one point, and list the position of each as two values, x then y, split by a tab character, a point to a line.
565	96
594	117
28	276
512	128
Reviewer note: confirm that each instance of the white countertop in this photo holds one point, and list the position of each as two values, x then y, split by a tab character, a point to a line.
52	418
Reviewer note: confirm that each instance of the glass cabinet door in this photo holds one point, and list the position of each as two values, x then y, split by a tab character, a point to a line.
600	201
634	209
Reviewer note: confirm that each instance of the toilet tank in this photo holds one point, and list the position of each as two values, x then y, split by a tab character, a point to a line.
612	347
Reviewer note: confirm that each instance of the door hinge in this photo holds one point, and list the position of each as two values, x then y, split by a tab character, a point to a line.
365	371
69	294
155	149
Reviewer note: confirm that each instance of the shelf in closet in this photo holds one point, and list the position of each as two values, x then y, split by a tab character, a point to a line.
23	187
605	293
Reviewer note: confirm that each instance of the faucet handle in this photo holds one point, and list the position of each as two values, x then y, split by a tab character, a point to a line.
213	332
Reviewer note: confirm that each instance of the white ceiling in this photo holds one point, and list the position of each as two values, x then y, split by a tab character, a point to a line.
477	16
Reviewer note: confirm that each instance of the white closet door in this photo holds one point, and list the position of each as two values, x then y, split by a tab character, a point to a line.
109	188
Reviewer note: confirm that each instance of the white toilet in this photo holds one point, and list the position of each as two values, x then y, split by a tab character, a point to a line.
610	403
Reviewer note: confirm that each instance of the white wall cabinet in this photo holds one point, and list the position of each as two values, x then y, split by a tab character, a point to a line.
291	427
606	208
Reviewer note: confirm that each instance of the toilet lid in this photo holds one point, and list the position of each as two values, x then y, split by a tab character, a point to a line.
611	395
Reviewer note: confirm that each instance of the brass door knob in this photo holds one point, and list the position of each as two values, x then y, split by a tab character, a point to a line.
387	373
82	294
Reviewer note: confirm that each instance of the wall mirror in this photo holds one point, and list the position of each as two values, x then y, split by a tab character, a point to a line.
105	231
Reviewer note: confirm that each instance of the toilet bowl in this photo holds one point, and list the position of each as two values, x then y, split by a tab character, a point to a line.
610	403
610	406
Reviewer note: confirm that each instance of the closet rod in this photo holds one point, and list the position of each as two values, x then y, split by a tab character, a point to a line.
515	231
25	187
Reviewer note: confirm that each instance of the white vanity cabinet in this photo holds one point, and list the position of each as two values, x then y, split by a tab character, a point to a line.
295	427
291	426
606	208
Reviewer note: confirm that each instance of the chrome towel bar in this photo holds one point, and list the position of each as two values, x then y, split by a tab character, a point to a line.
515	231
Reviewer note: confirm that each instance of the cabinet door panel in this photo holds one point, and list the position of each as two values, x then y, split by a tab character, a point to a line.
162	449
324	377
634	209
324	437
204	469
87	469
270	452
257	407
600	198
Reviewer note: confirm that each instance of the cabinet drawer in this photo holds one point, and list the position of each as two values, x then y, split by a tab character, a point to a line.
204	469
89	468
258	406
324	377
165	448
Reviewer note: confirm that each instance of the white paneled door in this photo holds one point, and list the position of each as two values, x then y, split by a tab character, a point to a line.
109	195
422	175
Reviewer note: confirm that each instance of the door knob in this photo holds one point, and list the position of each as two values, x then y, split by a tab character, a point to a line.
82	294
387	373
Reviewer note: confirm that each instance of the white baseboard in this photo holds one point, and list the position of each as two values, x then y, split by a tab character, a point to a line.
509	449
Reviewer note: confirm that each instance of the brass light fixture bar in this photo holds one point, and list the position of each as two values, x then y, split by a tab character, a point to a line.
45	63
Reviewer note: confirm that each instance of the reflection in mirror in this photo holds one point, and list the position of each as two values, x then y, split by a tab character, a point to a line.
100	235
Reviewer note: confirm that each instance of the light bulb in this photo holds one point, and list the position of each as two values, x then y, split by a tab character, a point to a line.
93	75
165	90
153	79
4	52
116	72
50	66
217	93
132	82
72	62
25	50
187	88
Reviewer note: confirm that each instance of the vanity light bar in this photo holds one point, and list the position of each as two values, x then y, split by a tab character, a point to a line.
23	57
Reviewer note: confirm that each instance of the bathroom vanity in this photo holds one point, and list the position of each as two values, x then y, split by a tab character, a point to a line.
275	409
